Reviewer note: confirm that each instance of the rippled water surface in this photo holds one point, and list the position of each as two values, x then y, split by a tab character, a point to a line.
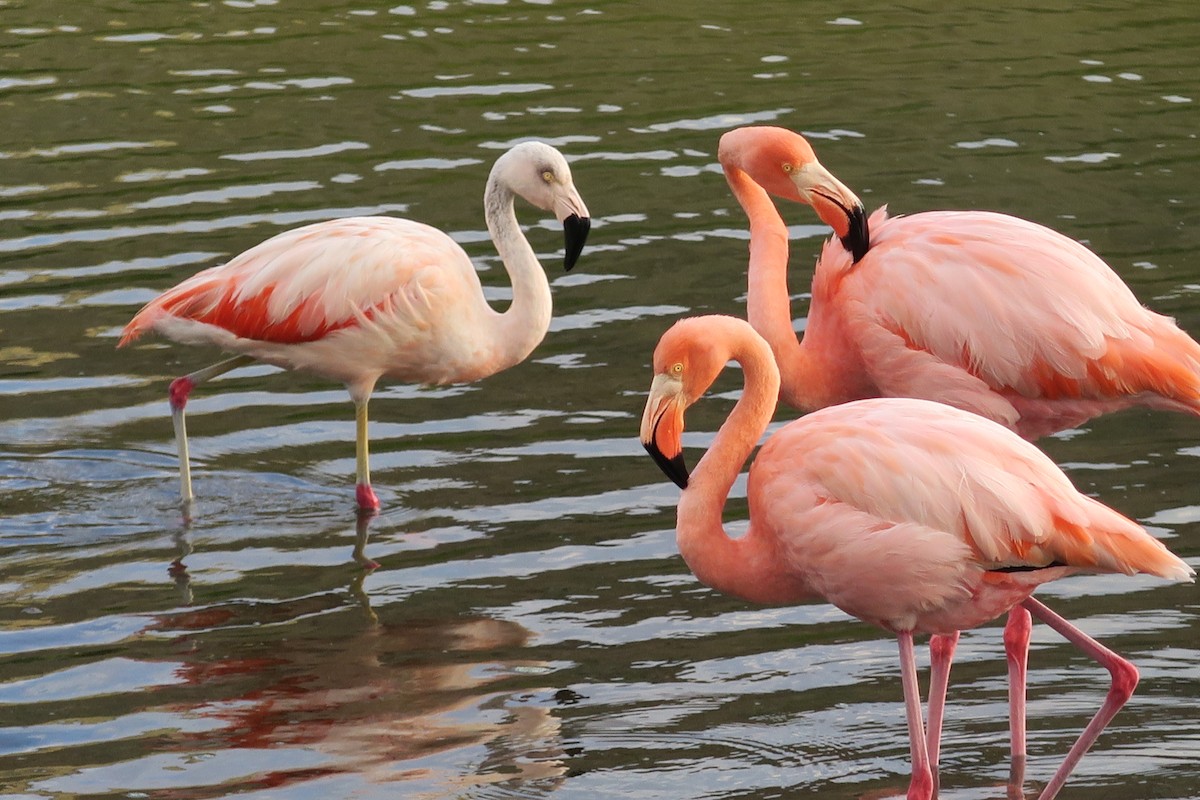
531	630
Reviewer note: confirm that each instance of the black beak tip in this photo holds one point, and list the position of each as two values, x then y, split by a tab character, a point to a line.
575	231
674	468
680	475
858	239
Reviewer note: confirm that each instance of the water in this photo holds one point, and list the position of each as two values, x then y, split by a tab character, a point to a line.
531	631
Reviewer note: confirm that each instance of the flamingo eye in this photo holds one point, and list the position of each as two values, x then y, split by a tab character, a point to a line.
787	167
677	368
548	176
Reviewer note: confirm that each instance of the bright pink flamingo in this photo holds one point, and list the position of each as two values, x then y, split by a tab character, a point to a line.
983	311
364	298
908	514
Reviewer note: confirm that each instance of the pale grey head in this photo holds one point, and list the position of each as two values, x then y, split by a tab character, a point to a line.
540	174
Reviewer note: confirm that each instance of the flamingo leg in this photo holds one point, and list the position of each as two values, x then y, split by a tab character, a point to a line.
1016	649
178	393
1016	780
364	495
941	654
921	785
362	531
1124	681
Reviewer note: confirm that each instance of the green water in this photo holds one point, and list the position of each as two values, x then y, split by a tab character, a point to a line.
531	631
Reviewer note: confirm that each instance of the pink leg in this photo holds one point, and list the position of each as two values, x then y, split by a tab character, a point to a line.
1016	780
941	654
921	786
1016	649
1124	681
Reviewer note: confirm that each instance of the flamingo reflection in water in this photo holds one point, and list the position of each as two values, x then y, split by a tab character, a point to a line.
426	705
185	546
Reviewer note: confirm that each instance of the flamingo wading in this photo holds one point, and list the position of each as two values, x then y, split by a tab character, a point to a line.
364	298
911	515
983	311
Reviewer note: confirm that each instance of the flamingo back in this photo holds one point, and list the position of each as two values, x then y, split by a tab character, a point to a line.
1021	309
305	283
917	501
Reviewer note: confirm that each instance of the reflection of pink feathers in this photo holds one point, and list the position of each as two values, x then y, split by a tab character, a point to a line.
909	514
358	299
984	311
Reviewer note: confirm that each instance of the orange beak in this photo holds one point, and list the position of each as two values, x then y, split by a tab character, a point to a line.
662	427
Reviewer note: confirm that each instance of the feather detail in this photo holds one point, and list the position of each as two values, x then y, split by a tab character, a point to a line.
282	290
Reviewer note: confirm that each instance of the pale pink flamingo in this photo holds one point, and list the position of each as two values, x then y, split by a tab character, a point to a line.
364	298
983	311
908	514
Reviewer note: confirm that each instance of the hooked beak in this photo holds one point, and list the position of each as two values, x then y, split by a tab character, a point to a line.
834	203
572	212
575	232
662	428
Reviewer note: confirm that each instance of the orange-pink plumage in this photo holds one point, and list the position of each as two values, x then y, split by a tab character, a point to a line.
984	311
909	514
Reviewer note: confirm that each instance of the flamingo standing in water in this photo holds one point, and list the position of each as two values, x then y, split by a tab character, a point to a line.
908	514
982	311
363	298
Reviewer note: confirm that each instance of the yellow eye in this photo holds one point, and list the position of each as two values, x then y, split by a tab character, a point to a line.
677	368
787	167
548	176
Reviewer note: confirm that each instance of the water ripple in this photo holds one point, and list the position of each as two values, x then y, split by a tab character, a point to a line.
530	630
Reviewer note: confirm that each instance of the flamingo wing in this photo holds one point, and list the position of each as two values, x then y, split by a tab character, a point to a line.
982	497
977	300
305	283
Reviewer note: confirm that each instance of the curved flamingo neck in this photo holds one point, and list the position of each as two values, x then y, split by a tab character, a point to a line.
807	373
523	326
743	567
768	303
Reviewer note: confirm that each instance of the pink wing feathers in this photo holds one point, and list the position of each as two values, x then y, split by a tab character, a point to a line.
296	287
1013	305
912	462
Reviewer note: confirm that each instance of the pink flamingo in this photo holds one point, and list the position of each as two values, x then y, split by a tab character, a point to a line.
363	298
983	311
908	514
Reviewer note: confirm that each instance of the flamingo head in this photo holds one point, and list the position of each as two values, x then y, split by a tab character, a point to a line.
783	163
686	362
540	174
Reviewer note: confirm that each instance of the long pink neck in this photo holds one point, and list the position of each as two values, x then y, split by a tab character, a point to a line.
745	567
768	303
